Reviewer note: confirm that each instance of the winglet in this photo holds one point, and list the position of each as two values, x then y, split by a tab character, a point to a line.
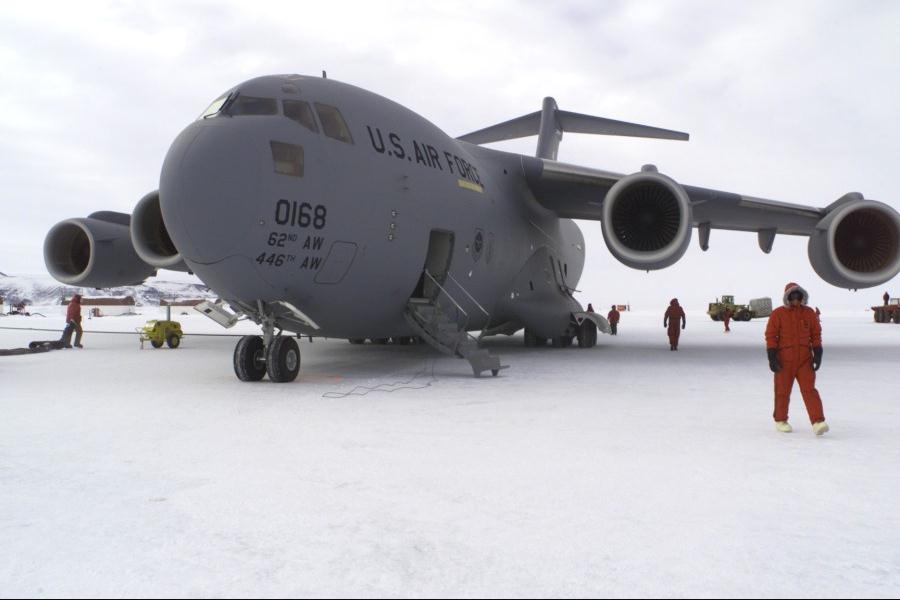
549	124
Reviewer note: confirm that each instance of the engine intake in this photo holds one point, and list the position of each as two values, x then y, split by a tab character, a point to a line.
94	252
151	238
857	245
647	220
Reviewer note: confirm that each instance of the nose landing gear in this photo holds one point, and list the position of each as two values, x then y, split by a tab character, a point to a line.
281	360
277	355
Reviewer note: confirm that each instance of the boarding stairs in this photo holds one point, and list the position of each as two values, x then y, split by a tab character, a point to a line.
444	328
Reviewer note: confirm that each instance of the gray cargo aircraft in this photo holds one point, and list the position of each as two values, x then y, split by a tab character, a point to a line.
322	209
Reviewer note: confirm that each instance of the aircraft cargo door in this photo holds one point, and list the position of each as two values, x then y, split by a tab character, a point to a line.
437	264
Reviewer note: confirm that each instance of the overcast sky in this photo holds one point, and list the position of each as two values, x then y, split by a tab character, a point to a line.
791	101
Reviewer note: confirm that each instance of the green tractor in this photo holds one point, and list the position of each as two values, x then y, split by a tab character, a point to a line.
758	307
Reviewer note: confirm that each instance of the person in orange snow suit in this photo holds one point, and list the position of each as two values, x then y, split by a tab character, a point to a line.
673	314
73	323
727	318
613	318
794	348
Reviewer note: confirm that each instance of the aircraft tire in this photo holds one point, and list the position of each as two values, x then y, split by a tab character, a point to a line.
283	359
356	341
587	335
249	358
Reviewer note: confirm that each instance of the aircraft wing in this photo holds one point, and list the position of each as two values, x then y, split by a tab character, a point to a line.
577	192
648	217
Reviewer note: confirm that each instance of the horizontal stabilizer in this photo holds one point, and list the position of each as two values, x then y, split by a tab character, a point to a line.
578	123
550	122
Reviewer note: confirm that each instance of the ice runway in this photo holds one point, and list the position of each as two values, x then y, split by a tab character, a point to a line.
625	470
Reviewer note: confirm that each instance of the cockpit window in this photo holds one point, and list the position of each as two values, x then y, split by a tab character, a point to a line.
288	158
333	123
252	105
300	111
216	106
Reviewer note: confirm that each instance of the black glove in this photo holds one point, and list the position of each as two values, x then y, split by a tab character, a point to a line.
817	358
773	359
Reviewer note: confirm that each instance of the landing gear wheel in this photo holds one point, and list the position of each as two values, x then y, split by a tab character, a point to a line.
587	335
531	340
250	358
495	372
356	341
283	359
173	341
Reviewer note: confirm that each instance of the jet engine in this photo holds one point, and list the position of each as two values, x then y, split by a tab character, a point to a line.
150	236
647	220
94	252
857	244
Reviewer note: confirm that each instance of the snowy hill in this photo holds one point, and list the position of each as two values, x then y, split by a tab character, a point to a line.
43	290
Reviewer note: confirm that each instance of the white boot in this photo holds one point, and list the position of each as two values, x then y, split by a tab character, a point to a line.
784	426
820	427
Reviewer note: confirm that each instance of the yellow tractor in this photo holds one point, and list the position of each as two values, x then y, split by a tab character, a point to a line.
758	307
161	332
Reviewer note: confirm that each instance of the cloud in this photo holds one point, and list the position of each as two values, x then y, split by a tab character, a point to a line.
791	101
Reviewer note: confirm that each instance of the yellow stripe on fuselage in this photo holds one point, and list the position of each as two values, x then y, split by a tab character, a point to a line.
463	183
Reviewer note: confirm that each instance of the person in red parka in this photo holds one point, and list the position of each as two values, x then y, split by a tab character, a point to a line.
613	318
73	323
727	318
794	348
674	314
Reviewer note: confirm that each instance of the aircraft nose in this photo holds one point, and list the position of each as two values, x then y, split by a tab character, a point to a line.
207	188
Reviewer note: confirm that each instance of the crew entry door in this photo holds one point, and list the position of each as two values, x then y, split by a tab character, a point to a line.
437	264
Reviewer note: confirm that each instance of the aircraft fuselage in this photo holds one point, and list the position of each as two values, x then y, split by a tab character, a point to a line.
339	215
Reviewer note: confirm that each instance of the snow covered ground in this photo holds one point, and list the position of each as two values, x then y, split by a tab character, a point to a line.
626	470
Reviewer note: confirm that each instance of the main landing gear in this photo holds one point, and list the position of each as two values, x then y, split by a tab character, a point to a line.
586	334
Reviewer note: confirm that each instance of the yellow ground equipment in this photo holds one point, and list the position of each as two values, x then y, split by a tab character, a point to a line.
161	332
758	307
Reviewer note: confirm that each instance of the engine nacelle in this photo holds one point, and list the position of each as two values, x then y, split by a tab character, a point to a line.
647	220
94	252
857	244
150	236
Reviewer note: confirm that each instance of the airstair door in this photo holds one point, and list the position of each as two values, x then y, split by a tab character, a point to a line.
437	264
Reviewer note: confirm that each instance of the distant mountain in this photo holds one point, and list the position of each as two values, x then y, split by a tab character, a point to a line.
43	290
